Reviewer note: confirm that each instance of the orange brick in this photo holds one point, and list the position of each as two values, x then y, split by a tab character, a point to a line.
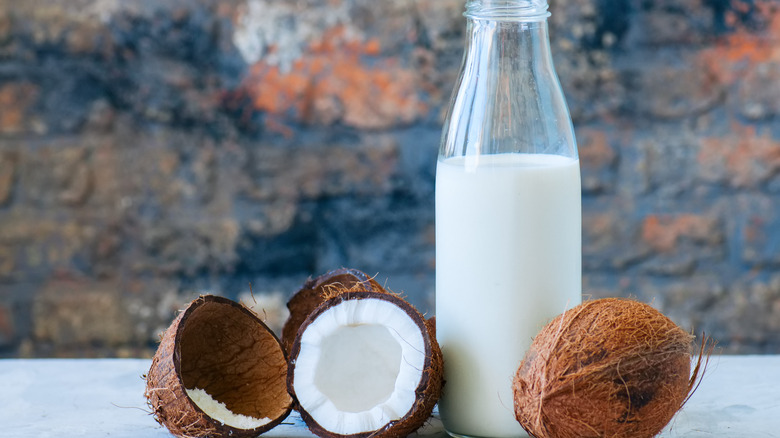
663	232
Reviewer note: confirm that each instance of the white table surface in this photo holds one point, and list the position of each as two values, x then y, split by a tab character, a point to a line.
739	397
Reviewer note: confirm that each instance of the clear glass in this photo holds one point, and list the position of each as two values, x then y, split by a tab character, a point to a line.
508	214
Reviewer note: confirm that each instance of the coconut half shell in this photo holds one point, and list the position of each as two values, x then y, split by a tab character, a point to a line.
221	347
365	364
315	291
607	368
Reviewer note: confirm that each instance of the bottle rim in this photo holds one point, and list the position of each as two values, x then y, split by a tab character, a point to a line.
509	10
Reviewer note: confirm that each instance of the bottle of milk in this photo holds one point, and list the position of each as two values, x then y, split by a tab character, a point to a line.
508	215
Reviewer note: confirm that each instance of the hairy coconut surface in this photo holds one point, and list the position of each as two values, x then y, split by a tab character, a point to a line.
315	291
365	364
612	368
217	349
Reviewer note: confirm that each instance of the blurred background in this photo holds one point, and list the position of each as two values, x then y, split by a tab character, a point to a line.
154	150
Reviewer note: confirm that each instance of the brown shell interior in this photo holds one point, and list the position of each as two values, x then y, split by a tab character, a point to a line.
227	352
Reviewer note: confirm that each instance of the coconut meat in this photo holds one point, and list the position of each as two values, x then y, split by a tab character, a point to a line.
218	411
359	365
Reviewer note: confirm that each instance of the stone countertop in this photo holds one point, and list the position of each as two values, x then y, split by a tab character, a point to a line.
739	397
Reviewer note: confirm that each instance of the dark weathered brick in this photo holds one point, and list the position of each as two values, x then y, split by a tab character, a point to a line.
72	312
664	233
311	173
609	241
8	165
757	221
672	23
759	92
7	325
670	156
599	161
744	158
666	92
746	317
16	107
57	174
151	151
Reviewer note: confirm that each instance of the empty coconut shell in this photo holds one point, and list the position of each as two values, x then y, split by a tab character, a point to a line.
613	368
224	350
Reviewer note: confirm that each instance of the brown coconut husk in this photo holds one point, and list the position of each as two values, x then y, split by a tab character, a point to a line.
218	345
612	368
315	291
427	392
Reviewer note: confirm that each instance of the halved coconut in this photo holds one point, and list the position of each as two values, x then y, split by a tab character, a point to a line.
317	290
219	372
365	364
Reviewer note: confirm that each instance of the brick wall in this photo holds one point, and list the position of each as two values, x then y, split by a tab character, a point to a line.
154	150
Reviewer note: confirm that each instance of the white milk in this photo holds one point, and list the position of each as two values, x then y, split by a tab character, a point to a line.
508	259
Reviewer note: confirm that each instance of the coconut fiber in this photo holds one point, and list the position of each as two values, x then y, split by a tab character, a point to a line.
223	348
609	368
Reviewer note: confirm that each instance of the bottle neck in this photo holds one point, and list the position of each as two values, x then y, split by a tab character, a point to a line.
507	10
508	97
509	45
510	35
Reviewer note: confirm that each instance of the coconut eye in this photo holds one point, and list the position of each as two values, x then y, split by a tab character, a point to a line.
365	362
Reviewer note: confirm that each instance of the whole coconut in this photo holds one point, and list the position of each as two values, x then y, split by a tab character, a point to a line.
612	368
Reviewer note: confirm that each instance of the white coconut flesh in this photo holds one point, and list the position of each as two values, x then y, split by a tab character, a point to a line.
359	365
218	411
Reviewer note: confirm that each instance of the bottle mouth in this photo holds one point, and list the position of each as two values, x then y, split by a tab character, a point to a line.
510	10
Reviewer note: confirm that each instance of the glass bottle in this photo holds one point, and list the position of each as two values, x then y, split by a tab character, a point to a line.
508	213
